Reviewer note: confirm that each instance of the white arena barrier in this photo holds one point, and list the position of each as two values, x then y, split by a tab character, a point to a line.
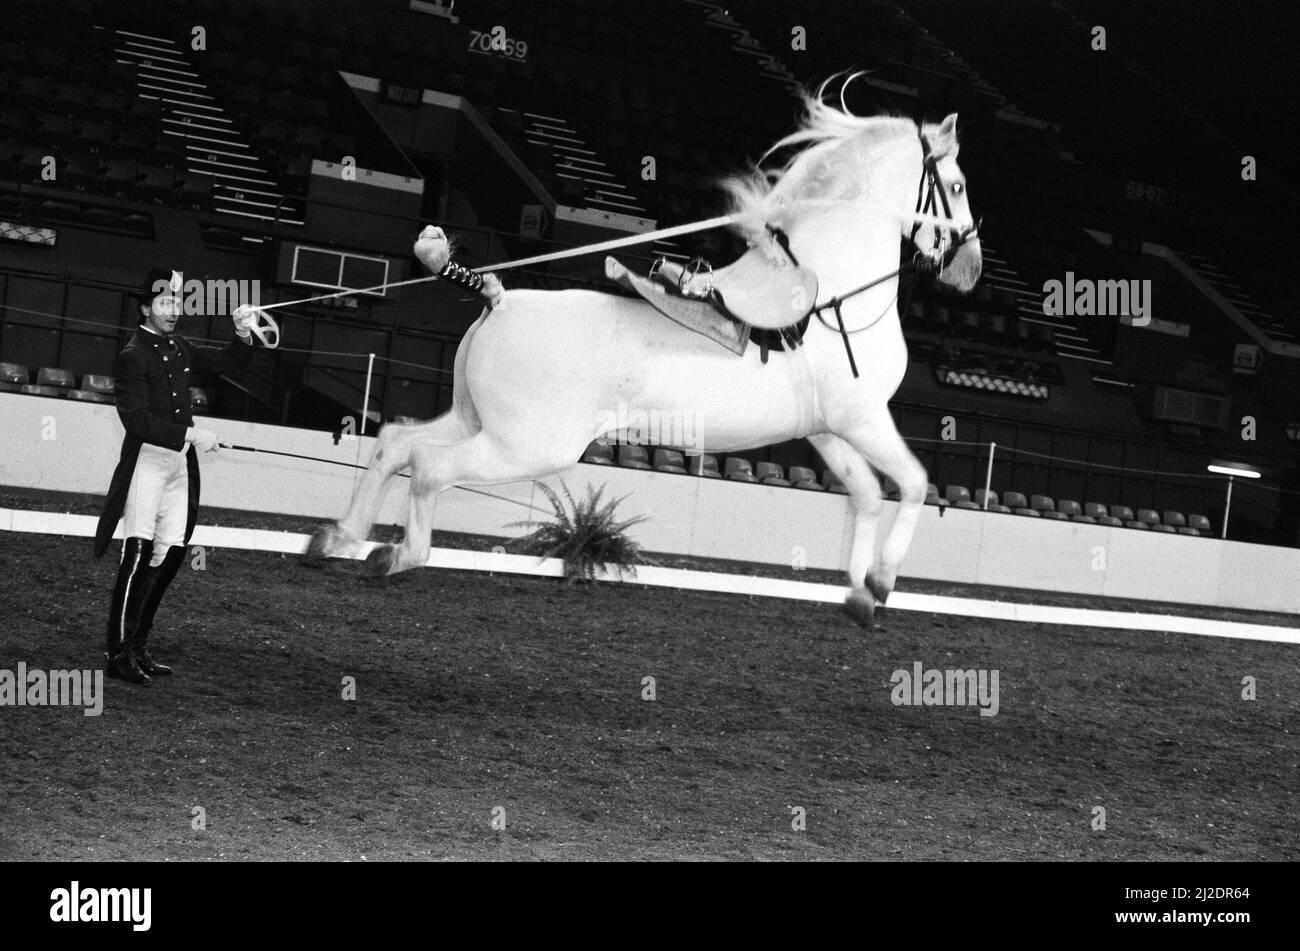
54	523
687	515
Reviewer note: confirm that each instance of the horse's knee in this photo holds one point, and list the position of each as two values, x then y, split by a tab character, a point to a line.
913	486
384	442
424	474
869	502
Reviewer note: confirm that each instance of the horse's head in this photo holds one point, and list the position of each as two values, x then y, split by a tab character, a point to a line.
955	249
874	172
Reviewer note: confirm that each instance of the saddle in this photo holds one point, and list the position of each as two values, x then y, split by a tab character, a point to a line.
759	296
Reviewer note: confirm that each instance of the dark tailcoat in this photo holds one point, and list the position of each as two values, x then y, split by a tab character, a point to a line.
153	402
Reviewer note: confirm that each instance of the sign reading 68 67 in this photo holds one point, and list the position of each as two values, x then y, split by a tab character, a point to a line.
496	41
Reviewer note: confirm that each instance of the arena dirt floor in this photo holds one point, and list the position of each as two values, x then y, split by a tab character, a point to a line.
475	692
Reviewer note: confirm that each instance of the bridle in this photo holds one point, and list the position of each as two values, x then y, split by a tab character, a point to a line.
947	242
932	184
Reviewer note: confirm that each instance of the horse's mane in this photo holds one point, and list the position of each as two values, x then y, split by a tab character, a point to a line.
762	194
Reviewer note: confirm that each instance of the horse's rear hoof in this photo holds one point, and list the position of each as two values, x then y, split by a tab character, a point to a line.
379	562
318	548
860	604
878	589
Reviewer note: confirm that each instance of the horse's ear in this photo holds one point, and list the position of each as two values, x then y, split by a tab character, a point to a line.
945	140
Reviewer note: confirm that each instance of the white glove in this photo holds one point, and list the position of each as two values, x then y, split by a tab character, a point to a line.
245	317
433	248
204	439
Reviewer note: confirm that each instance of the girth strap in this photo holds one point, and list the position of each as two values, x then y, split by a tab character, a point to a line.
844	335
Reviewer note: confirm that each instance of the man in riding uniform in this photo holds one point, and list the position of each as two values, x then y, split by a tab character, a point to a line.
155	488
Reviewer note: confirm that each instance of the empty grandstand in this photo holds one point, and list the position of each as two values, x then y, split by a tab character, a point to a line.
281	144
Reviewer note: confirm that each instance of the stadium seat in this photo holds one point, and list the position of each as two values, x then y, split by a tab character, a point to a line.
1200	523
598	454
118	178
1150	516
703	465
1176	519
194	191
739	470
89	396
156	184
804	478
1110	520
1086	519
1168	529
54	377
98	383
1043	503
1122	512
769	473
13	377
932	496
956	493
994	503
958	496
1186	530
199	399
1019	505
889	488
1095	509
1135	523
669	460
35	390
1053	514
633	457
833	483
1068	507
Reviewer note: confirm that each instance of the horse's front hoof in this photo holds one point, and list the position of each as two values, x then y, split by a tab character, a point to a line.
879	589
860	604
321	545
379	562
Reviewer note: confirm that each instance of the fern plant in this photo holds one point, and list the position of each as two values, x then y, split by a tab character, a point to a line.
584	535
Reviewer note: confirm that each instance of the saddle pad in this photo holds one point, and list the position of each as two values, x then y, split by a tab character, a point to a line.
692	313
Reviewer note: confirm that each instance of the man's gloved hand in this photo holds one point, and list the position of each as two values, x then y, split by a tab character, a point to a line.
244	317
204	439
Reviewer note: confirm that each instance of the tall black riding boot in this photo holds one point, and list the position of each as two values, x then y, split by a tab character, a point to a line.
155	586
124	609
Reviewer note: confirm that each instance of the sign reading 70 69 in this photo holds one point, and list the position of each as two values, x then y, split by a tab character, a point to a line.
496	41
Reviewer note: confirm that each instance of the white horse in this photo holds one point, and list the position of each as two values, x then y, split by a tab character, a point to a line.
538	375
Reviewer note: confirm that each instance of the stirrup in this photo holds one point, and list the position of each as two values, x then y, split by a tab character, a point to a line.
690	272
656	266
